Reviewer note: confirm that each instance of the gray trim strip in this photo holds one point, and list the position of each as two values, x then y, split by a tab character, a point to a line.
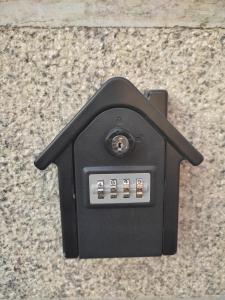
98	13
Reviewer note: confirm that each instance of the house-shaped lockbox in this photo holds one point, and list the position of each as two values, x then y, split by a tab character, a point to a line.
118	167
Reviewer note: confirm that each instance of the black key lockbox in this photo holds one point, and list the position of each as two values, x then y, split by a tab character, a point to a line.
118	166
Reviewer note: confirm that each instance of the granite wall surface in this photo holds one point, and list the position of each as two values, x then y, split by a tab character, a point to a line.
46	75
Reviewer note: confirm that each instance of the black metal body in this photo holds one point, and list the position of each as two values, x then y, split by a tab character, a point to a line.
119	230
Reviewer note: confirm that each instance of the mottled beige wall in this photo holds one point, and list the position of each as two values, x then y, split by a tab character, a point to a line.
46	75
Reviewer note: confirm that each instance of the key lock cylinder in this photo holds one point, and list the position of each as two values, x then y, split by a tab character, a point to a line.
118	166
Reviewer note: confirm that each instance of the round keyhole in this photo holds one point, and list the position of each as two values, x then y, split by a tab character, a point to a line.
120	144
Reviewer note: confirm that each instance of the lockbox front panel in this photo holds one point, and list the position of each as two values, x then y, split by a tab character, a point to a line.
118	165
134	225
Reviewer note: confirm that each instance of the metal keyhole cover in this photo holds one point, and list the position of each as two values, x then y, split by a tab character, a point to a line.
119	142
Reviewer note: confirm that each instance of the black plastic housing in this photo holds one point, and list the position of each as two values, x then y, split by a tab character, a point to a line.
119	230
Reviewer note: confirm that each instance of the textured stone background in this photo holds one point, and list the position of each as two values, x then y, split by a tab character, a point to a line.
46	75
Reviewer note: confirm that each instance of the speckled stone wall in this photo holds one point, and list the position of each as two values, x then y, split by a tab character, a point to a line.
46	75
